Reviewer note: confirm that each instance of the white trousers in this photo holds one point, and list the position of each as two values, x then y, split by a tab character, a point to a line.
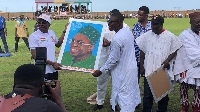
102	83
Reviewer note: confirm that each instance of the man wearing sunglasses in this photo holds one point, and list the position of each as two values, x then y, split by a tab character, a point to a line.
102	81
122	65
44	37
81	46
157	47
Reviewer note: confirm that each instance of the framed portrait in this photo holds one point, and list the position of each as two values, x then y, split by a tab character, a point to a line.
82	45
160	83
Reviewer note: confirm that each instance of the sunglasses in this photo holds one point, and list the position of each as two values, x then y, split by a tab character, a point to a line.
111	21
79	42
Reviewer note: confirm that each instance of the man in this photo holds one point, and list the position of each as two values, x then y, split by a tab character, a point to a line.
140	28
81	46
186	68
102	81
122	65
157	47
28	90
37	14
44	37
20	28
3	34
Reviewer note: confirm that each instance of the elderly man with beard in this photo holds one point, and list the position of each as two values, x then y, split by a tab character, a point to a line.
157	47
186	68
122	65
44	37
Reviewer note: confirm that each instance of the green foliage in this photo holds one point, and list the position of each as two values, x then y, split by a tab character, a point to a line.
76	86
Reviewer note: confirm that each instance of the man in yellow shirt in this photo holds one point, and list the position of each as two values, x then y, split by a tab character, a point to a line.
20	28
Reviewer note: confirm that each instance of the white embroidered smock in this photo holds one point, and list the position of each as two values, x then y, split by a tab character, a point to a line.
188	58
157	48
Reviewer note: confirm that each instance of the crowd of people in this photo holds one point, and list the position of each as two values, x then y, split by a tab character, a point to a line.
65	8
127	55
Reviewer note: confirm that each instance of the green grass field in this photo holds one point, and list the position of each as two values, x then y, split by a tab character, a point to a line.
77	86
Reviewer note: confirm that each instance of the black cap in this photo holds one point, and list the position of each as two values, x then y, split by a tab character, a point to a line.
157	19
114	11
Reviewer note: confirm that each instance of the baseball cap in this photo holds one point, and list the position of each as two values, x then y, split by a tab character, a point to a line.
45	17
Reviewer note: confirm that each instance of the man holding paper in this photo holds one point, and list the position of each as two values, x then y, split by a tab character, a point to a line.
157	47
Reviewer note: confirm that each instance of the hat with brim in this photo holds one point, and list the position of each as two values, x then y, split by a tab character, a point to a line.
45	17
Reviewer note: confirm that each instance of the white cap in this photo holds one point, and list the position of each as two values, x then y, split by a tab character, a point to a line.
45	17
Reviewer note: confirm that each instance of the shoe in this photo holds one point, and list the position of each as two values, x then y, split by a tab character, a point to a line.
116	108
97	107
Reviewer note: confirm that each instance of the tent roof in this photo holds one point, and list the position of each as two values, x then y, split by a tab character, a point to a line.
63	1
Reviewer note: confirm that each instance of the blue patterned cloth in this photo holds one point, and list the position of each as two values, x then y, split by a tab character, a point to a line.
137	31
2	22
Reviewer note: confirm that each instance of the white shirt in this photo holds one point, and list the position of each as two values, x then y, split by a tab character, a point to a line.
106	50
157	48
48	40
123	67
188	58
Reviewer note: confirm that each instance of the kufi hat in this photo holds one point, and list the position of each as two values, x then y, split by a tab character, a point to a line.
157	19
91	33
194	15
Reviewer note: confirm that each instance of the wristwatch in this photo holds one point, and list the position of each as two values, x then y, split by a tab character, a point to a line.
64	31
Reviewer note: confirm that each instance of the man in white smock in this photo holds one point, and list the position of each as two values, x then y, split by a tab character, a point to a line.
186	68
102	81
122	65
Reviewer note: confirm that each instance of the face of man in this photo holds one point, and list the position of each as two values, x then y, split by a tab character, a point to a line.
156	27
195	25
21	17
43	25
141	16
113	23
80	46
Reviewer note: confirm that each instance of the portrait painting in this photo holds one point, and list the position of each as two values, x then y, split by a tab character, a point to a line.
82	45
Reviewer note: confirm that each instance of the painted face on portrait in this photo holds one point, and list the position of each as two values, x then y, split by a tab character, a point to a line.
80	45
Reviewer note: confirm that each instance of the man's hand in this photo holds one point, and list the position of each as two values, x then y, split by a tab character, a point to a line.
106	42
165	64
97	73
56	91
56	66
55	94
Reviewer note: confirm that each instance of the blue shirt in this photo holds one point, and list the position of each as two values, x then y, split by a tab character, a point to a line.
2	22
137	31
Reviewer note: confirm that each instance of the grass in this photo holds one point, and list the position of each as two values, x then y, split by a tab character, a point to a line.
76	86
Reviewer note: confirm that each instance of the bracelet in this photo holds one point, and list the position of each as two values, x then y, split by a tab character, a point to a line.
64	31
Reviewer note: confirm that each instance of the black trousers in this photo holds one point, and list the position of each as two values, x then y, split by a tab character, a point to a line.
17	41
